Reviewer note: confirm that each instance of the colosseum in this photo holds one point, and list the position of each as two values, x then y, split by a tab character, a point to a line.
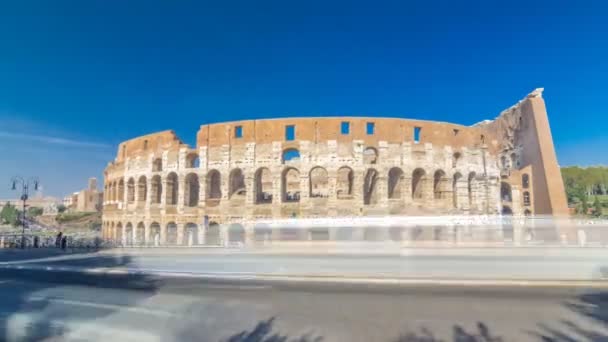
160	191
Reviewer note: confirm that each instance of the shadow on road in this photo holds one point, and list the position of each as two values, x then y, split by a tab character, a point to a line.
28	310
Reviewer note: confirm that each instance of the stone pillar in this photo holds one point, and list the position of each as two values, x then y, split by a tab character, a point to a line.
382	188
148	193
147	238
304	187
250	186
163	195
181	191
180	234
163	233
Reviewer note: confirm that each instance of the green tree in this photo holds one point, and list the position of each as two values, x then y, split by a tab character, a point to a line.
584	206
9	215
34	211
597	207
61	208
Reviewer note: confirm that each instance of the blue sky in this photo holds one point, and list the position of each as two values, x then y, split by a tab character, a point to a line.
78	77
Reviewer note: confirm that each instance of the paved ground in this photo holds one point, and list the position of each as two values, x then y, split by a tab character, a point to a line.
37	306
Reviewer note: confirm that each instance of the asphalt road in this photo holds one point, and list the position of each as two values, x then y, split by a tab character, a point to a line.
43	305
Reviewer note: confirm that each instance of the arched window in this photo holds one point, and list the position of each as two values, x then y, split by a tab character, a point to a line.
503	162
140	233
418	184
505	192
395	179
291	185
290	155
129	234
131	190
319	185
439	181
192	160
214	185
263	186
370	155
142	189
154	238
344	186
471	189
171	233
514	161
455	159
212	234
370	187
191	234
455	181
191	190
156	189
172	189
525	181
526	198
236	183
527	212
236	233
157	165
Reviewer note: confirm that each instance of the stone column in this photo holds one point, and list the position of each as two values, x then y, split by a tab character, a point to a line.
163	195
148	193
147	237
180	234
181	192
163	233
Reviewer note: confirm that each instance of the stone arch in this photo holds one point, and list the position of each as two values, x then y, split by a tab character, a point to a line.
191	234
345	180
214	185
439	182
171	233
157	165
290	184
172	189
527	212
191	190
131	190
142	189
262	232
471	189
263	186
505	192
418	184
119	233
236	233
129	234
318	182
156	190
370	155
236	183
290	155
154	237
140	233
212	234
455	180
370	185
507	222
503	162
192	160
514	163
526	198
455	159
395	182
525	181
121	190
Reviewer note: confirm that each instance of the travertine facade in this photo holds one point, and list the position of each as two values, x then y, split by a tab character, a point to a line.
160	191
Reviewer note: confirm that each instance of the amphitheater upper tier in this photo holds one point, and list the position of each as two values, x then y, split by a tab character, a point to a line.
336	166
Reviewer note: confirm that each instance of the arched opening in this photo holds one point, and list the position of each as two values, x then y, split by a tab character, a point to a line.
121	190
156	189
157	165
171	233
370	155
526	198
129	234
503	163
514	162
395	183
172	189
507	223
439	181
191	234
370	187
527	212
212	234
396	233
140	233
319	185
344	186
455	159
154	238
263	186
214	185
192	190
131	190
291	185
262	232
192	160
455	181
119	234
505	192
290	155
236	185
525	181
418	184
236	234
113	191
471	189
142	189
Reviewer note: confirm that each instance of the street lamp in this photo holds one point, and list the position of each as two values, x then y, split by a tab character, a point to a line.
25	188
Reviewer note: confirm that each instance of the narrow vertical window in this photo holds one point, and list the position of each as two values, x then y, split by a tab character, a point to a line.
290	132
145	144
345	128
238	132
417	134
370	128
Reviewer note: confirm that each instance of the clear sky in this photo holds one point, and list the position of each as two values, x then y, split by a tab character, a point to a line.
78	77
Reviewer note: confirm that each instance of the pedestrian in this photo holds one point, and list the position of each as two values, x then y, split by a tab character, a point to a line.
58	240
64	242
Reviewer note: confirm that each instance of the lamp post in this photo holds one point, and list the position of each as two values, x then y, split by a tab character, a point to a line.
25	188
